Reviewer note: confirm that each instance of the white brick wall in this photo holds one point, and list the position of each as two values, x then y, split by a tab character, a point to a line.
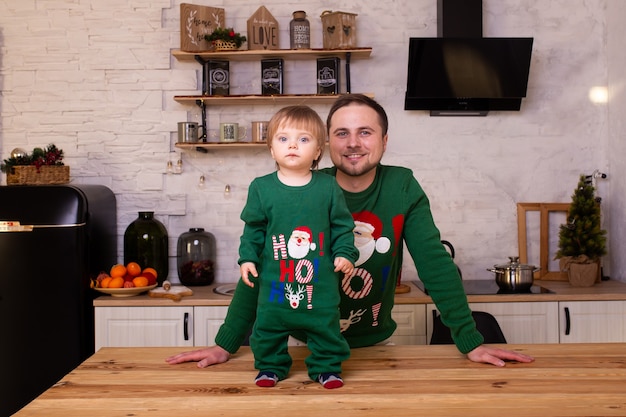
97	79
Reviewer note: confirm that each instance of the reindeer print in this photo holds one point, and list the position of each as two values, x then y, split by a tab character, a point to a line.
294	297
344	324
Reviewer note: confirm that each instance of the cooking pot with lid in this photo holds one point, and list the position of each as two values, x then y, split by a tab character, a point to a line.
514	277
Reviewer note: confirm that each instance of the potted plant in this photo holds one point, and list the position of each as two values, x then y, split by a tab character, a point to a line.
224	39
582	241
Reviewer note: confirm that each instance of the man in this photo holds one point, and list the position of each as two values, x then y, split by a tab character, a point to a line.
390	210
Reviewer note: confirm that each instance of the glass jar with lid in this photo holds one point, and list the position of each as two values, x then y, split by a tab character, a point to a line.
299	31
196	257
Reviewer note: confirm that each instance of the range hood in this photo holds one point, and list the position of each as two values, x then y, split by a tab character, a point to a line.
460	73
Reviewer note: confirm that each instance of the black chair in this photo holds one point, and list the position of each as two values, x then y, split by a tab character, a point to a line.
486	324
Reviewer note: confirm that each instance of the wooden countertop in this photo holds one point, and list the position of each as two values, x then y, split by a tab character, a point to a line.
563	291
564	380
202	296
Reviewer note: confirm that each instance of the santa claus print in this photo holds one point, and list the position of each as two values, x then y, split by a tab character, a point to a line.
300	242
368	236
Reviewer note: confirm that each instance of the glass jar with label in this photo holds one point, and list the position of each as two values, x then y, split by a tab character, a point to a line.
299	31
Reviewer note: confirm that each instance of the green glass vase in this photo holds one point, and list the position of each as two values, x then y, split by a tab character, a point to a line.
146	242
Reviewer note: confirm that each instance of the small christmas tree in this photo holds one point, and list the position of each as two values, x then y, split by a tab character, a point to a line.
581	239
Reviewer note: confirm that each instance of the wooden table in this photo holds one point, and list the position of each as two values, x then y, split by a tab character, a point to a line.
564	380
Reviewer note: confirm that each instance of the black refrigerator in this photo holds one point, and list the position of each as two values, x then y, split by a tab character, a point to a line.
53	239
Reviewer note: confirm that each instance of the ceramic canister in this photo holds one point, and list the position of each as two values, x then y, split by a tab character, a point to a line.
259	131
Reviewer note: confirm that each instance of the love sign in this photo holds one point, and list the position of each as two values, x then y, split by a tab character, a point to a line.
262	30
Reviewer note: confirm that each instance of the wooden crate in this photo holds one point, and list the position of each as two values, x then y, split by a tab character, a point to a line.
47	174
339	30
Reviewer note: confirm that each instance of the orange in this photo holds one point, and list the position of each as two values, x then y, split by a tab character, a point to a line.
140	281
105	282
152	271
133	269
116	282
118	270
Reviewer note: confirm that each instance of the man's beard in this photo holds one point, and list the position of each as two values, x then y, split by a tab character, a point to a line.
354	170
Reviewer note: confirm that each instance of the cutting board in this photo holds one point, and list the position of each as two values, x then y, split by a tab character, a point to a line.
402	289
175	292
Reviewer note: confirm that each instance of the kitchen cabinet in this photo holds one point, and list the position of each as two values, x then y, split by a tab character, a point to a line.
521	322
251	99
160	326
198	326
411	321
207	321
151	326
592	321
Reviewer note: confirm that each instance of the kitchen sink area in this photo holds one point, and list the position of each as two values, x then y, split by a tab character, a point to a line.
225	289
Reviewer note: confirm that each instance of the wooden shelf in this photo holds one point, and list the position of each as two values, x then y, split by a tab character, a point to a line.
255	55
206	146
251	99
204	101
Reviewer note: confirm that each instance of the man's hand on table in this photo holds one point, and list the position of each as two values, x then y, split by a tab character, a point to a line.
205	357
496	356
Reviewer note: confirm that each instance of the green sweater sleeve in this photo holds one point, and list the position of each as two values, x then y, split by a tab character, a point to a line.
242	310
255	227
239	318
342	226
436	268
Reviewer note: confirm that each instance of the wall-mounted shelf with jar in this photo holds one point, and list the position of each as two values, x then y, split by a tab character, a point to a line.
250	99
255	55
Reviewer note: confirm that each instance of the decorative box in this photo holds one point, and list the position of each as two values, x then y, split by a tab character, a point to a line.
339	30
328	75
216	79
271	76
46	174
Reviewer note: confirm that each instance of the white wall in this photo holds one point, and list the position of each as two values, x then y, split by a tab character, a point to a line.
97	79
617	127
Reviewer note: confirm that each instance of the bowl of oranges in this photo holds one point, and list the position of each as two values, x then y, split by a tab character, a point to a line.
125	280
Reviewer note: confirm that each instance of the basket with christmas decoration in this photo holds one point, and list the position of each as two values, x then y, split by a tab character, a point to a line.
225	39
42	166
